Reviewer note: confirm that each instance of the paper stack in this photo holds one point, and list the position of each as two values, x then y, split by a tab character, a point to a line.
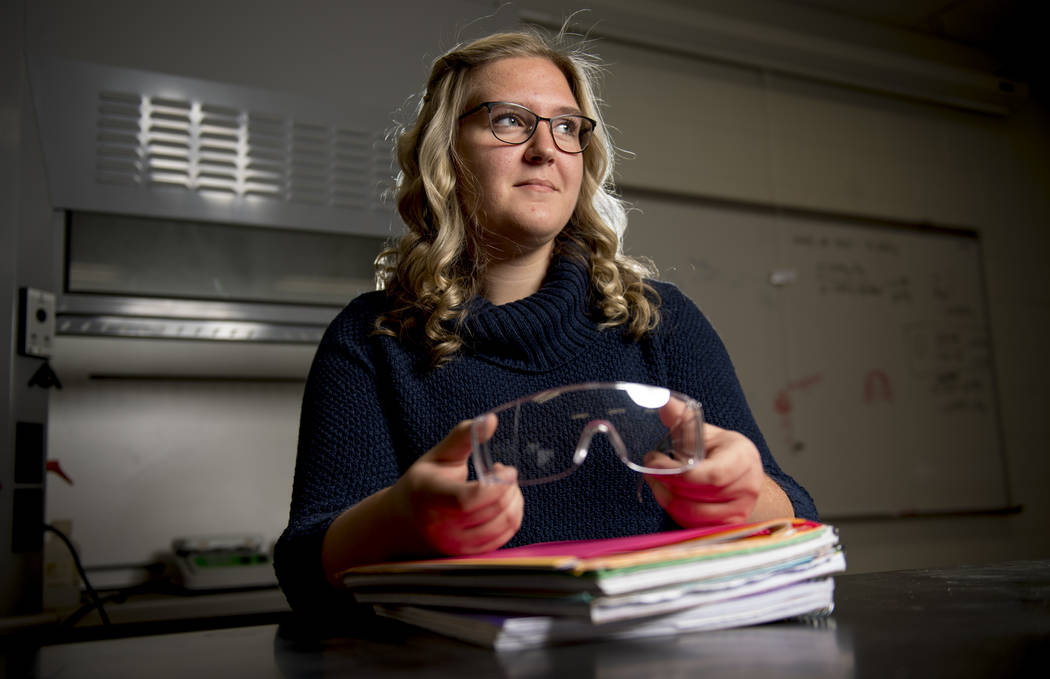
638	586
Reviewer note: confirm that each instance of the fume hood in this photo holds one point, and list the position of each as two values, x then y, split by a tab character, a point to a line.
201	212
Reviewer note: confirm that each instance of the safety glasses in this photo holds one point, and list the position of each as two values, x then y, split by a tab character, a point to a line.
515	124
548	435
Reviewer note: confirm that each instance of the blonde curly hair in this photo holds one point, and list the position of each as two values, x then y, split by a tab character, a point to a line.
437	265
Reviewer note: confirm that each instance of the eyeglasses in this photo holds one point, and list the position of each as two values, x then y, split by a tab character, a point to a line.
515	124
547	436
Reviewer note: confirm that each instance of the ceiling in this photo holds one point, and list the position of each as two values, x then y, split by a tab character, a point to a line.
1006	30
966	21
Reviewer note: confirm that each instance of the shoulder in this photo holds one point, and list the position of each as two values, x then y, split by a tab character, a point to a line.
351	335
676	308
357	319
670	294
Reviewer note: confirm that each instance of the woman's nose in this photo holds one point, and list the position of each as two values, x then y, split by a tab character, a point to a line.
541	147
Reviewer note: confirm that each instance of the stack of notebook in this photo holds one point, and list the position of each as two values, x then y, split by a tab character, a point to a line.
638	586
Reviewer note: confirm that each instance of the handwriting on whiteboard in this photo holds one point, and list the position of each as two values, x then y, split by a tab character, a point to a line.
953	361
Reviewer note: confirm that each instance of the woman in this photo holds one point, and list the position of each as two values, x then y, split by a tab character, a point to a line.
508	281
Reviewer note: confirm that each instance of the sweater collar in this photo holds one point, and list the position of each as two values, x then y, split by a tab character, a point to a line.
540	332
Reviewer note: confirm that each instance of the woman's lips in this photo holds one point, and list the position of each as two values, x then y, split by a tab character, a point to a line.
537	185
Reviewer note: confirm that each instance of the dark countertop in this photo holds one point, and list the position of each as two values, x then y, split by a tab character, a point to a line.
969	621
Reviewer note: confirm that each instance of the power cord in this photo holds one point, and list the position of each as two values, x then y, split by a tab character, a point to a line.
120	596
96	601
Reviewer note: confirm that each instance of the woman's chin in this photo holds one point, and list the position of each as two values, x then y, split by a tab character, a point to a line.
524	241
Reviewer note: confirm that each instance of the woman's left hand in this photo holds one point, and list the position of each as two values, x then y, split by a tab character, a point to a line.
722	488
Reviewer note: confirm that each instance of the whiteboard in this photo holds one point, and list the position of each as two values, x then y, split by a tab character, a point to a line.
863	348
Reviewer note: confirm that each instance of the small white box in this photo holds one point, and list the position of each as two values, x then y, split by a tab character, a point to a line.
38	323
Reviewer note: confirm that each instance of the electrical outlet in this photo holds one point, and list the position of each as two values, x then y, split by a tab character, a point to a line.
37	335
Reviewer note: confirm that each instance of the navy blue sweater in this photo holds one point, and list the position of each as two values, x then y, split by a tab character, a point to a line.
372	406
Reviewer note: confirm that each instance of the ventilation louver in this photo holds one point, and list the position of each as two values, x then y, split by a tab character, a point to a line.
126	141
195	146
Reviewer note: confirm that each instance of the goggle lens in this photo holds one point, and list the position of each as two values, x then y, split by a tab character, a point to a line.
548	435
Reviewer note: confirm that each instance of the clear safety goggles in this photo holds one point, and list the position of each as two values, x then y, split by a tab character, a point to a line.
548	435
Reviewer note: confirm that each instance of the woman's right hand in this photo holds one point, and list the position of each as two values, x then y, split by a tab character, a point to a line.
449	514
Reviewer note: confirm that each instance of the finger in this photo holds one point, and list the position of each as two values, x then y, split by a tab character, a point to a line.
491	544
744	490
690	431
660	490
709	513
728	455
482	429
676	488
730	462
716	437
490	506
671	411
496	532
688	511
499	525
452	499
699	473
496	518
710	478
685	424
455	447
504	473
658	460
486	426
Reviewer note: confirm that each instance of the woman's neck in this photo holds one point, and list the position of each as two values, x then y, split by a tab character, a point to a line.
508	280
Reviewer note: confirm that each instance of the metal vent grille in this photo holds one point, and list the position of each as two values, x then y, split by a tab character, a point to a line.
153	141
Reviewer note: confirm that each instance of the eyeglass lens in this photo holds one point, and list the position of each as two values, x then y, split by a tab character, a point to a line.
516	124
545	440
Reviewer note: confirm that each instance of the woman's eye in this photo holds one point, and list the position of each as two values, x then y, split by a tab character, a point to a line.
508	120
567	127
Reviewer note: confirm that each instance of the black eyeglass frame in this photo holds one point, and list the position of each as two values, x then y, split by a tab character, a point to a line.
550	123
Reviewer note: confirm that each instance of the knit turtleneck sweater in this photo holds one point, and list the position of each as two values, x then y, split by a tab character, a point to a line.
372	406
